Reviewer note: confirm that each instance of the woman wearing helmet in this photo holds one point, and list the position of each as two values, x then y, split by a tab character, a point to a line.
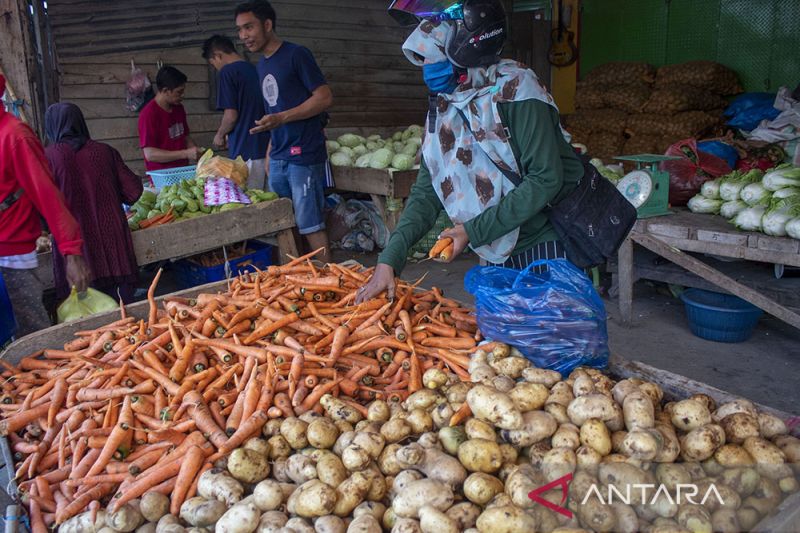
494	154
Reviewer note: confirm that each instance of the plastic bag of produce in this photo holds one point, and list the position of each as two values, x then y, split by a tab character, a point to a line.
88	303
556	318
215	166
687	174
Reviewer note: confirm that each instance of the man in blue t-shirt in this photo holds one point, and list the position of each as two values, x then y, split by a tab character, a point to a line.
296	97
239	96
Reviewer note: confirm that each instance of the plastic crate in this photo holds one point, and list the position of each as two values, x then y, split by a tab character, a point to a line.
171	176
720	317
8	325
190	273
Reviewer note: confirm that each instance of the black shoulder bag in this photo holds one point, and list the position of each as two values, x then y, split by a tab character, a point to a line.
592	220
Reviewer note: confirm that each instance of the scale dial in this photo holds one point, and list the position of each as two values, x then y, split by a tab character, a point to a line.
636	187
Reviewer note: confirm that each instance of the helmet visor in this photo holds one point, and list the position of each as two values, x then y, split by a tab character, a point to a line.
409	12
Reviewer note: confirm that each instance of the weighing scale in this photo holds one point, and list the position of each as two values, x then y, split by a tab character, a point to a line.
647	187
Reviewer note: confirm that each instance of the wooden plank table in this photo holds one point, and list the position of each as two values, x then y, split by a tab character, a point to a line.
197	235
385	187
671	236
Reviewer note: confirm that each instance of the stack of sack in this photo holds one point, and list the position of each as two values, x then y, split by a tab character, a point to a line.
634	108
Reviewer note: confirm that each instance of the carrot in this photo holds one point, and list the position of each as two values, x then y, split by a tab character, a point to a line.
152	315
77	505
120	432
189	467
415	376
282	402
200	413
247	429
144	482
453	344
462	414
271	327
20	420
439	247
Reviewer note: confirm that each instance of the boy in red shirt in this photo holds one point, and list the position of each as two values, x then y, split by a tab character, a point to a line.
26	190
163	130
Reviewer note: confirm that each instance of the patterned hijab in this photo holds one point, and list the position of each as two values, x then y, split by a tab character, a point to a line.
470	141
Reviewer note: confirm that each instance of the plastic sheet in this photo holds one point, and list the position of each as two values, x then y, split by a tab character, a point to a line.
85	304
555	318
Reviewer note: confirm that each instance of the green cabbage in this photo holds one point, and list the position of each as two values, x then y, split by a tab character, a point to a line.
341	159
398	136
381	158
350	140
363	161
397	147
785	193
410	149
755	194
403	162
417	140
346	150
782	177
374	138
733	183
372	146
710	189
701	204
730	209
750	219
332	146
359	150
779	214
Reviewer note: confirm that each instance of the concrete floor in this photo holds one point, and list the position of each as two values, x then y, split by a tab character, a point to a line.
764	369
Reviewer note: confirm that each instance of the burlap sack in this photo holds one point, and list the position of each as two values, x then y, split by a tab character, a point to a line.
605	145
618	73
590	96
598	120
642	144
630	98
705	74
670	99
677	126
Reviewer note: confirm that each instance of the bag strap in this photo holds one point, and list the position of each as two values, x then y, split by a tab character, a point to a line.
512	176
11	199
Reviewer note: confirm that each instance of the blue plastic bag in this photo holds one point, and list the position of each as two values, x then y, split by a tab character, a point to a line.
748	110
556	318
720	149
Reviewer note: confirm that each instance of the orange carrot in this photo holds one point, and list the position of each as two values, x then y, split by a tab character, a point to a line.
439	247
120	432
189	467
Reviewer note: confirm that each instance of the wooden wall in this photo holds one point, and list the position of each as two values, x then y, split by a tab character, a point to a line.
356	44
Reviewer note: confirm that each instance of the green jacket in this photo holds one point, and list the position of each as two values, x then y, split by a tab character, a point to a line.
550	169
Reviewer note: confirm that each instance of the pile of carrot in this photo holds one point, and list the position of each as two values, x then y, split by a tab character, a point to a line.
158	220
119	410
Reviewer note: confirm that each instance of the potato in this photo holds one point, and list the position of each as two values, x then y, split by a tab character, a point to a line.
420	421
351	493
272	428
479	429
153	506
422	399
770	460
480	488
417	494
338	410
249	466
268	495
301	468
403	479
789	485
493	406
736	406
355	458
597	406
694	518
566	436
689	414
739	426
536	426
730	455
482	373
560	393
241	518
529	396
395	430
299	525
464	514
725	521
670	447
652	390
219	485
388	463
557	463
743	480
771	426
661	504
597	516
371	442
202	512
364	524
294	431
407	525
625	518
642	444
502	383
548	378
480	455
624	388
442	414
451	438
147	527
519	483
505	519
510	366
595	434
322	433
587	458
311	499
457	393
434	463
701	443
582	384
257	444
559	412
278	448
83	522
126	518
670	475
432	520
748	518
330	469
790	446
622	476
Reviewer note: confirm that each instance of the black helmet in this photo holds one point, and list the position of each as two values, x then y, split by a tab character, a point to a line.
480	27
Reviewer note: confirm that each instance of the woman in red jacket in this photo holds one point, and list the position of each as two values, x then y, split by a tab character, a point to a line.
26	191
95	183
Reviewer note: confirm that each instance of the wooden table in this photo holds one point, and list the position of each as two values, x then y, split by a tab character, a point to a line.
670	236
188	237
385	187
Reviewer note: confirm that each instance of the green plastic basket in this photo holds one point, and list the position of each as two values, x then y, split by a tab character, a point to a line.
422	247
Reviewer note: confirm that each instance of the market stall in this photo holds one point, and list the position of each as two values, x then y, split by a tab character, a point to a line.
669	236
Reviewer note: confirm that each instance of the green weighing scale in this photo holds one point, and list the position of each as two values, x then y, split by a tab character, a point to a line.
647	187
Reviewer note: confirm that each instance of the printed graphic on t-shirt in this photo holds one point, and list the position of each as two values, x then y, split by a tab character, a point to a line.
176	130
270	89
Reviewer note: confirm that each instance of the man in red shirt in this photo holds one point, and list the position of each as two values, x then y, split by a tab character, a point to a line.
163	130
26	190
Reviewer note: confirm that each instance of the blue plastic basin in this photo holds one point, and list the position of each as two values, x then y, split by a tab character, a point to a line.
720	317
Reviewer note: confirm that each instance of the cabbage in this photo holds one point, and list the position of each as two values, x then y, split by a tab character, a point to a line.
341	159
374	138
346	150
410	149
782	177
730	209
407	135
381	158
359	150
349	140
417	129
403	162
397	147
793	228
785	193
755	194
710	189
363	161
750	219
779	214
701	204
416	140
734	182
372	146
398	136
332	146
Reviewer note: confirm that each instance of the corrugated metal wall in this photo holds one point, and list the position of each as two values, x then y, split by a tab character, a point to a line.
759	39
356	44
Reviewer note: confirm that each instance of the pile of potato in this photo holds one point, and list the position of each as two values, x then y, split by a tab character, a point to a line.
404	468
